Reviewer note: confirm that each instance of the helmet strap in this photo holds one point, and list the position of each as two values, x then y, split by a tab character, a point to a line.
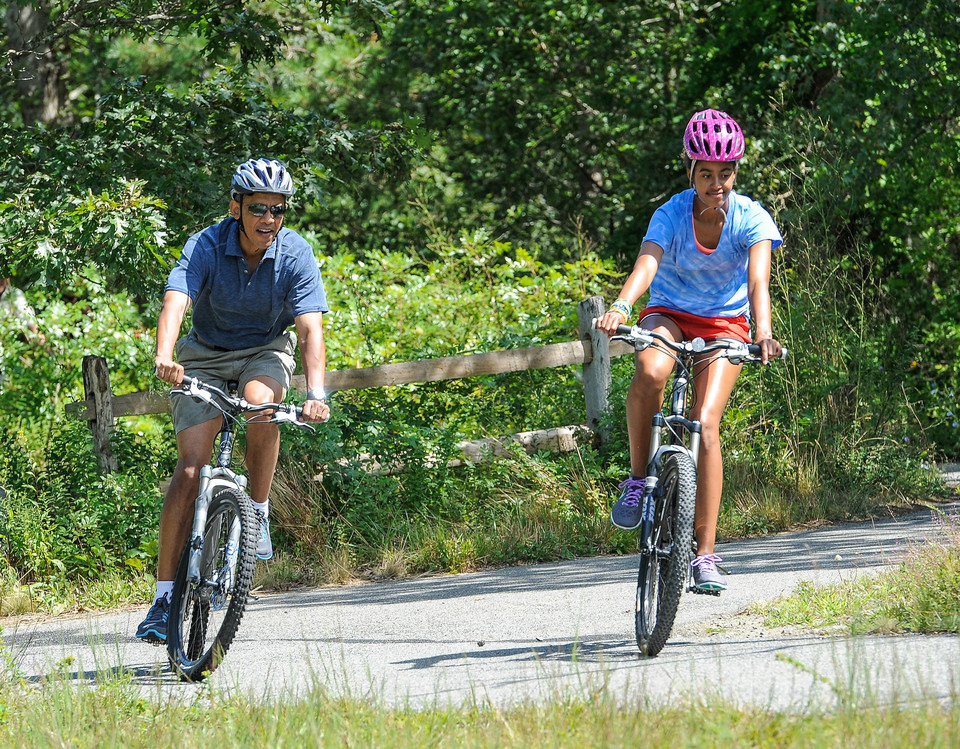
726	202
721	208
240	220
718	208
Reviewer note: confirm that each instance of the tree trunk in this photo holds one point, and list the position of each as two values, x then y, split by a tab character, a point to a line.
37	71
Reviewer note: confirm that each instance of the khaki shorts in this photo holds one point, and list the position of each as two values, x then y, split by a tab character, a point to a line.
216	367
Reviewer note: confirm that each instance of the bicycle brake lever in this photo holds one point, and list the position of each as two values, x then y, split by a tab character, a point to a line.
193	391
290	414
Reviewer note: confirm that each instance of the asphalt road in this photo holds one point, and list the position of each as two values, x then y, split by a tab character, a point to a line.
541	631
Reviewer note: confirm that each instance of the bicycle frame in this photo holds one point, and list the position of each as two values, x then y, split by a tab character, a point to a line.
685	353
678	423
214	476
210	478
216	569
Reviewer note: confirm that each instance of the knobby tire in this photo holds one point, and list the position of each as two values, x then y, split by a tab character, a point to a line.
204	617
663	574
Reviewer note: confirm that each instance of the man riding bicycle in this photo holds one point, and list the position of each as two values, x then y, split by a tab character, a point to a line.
248	280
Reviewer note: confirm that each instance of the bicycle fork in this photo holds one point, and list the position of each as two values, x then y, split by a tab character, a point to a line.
649	502
649	509
201	508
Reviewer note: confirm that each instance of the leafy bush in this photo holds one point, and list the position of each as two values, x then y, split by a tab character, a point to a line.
65	518
78	319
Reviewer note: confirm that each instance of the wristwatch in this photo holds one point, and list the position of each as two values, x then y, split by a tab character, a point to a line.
316	394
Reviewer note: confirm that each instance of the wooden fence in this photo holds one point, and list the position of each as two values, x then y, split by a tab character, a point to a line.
593	350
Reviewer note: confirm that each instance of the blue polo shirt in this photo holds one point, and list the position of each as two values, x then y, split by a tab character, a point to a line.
714	284
235	308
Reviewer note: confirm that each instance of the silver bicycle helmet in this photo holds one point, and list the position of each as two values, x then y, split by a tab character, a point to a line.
261	175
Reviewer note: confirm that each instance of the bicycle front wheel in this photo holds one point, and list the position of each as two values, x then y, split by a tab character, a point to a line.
663	570
205	613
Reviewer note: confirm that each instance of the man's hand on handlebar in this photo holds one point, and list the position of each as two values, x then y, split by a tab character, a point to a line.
168	370
315	410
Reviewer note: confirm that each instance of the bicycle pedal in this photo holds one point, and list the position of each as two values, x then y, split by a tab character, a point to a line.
700	592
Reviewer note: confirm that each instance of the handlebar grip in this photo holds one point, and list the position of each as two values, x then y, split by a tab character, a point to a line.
621	329
754	350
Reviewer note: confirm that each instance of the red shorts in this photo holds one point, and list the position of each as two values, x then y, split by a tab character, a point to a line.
707	328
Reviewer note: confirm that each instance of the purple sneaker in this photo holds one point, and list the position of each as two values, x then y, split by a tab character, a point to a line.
627	512
706	576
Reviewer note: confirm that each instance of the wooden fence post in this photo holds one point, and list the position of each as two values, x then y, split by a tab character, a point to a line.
96	386
596	365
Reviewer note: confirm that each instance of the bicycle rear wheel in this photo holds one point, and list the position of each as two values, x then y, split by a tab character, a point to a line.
663	571
205	613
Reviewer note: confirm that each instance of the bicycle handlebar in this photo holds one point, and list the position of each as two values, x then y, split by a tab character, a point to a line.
282	412
735	351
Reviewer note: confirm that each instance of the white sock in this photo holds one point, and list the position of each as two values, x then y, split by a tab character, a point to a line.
164	589
262	507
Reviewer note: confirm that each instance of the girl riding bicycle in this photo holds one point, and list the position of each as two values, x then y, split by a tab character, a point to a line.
705	260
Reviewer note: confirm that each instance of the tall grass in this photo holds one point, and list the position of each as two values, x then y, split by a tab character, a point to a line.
833	433
116	714
520	508
921	595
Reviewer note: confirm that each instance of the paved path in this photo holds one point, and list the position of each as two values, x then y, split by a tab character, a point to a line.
543	630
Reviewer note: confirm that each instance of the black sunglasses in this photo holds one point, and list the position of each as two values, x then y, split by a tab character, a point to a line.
260	209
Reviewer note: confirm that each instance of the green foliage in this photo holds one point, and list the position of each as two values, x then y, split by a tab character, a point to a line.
65	519
473	294
543	115
80	318
383	456
129	209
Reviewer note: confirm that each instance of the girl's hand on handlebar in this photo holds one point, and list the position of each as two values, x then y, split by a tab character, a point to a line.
770	348
314	410
168	370
609	322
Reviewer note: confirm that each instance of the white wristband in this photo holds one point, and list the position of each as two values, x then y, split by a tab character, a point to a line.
316	394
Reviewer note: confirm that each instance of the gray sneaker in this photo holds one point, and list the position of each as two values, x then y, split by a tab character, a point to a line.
706	576
264	544
627	512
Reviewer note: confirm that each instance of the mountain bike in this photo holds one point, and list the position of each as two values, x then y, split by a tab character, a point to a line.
667	543
215	573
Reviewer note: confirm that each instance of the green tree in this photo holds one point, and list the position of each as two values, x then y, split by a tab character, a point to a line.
121	176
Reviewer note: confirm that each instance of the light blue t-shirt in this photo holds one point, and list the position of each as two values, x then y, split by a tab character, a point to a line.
234	308
691	281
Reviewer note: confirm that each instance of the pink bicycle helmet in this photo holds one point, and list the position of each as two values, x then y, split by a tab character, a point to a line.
712	135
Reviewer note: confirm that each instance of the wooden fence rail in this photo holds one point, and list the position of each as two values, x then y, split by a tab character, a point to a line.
594	351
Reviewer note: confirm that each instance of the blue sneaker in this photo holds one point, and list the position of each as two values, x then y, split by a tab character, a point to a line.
628	512
264	544
154	627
